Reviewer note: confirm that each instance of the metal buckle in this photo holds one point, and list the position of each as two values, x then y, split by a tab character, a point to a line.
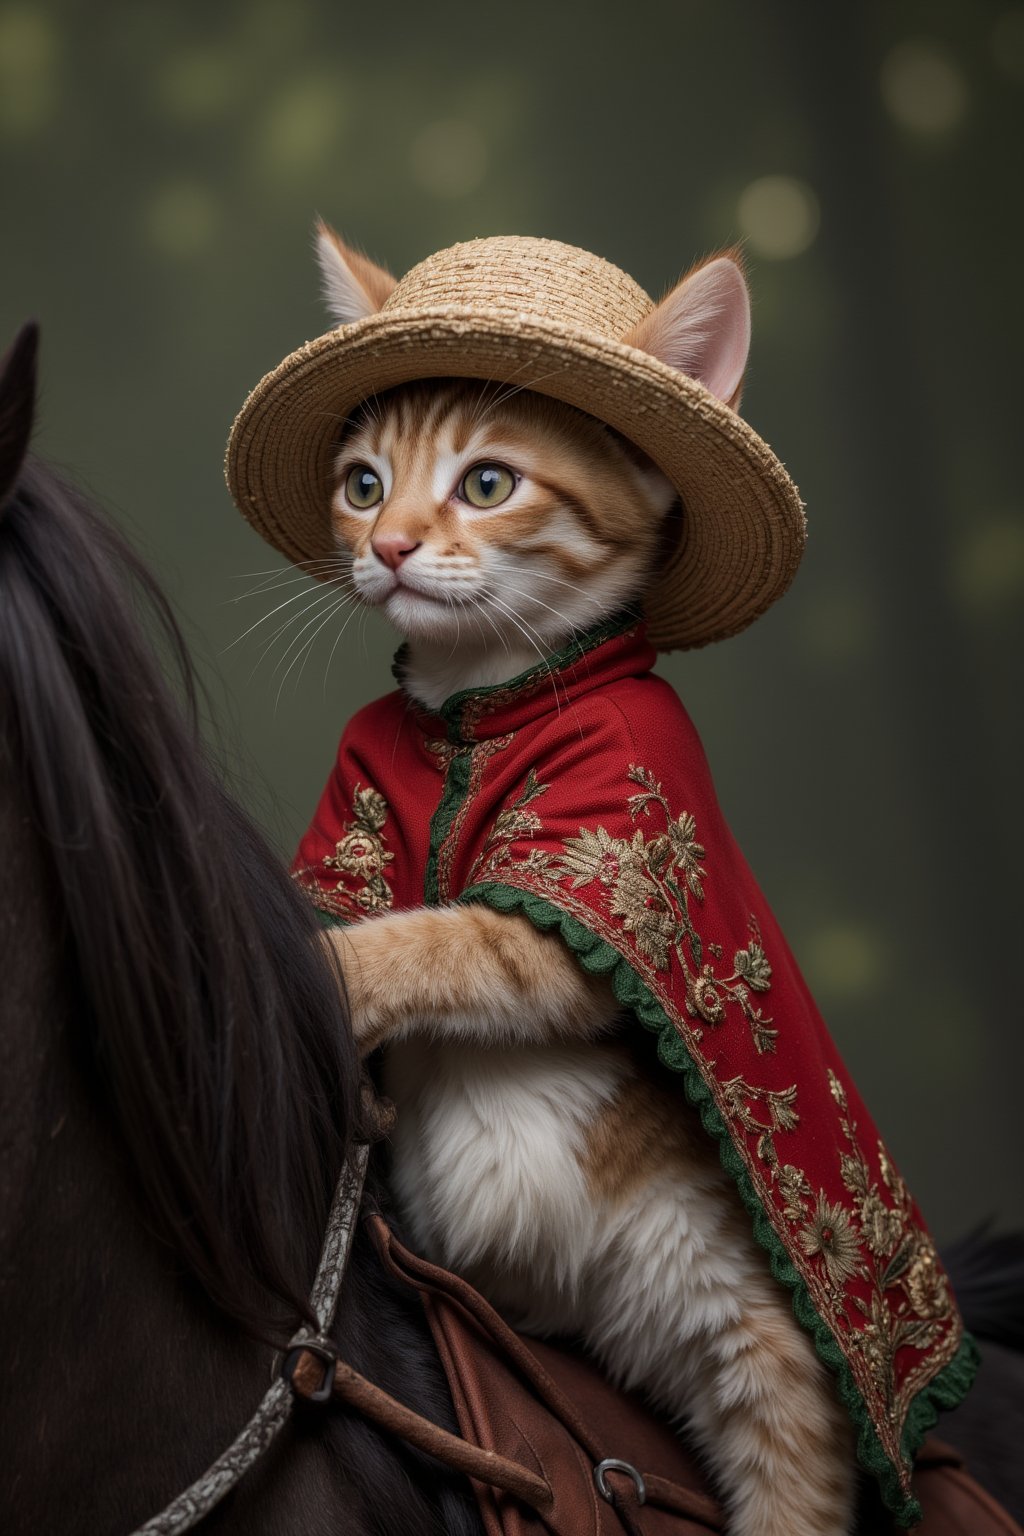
610	1464
325	1352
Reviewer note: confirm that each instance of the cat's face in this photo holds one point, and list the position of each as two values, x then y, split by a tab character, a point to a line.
479	515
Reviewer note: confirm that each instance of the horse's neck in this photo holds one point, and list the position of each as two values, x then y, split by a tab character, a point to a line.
116	1365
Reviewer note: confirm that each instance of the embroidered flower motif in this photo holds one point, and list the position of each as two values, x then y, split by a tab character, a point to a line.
752	964
830	1236
881	1226
925	1283
706	997
645	913
794	1189
360	851
370	807
593	856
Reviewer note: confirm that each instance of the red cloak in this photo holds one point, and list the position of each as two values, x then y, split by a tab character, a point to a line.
579	795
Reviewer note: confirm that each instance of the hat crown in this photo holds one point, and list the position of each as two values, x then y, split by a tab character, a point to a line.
521	275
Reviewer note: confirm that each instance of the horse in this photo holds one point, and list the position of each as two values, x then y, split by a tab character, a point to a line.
178	1090
177	1083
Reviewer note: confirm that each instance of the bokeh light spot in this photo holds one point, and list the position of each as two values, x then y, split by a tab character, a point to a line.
987	569
181	219
302	130
28	71
846	960
1008	42
922	89
448	158
779	215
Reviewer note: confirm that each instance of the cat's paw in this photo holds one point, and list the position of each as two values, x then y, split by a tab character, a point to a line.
357	953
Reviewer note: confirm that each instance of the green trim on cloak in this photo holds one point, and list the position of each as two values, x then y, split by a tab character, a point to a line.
329	919
456	786
944	1391
573	651
459	771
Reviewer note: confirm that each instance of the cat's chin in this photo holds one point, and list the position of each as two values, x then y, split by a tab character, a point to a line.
418	616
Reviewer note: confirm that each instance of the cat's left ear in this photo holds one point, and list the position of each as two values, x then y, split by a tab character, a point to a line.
702	327
353	285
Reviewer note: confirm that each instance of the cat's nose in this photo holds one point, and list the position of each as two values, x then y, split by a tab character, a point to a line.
393	548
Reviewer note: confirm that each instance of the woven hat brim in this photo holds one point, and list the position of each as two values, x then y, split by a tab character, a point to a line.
743	528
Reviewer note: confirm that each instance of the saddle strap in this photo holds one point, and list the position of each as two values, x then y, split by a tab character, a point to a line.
611	1467
552	1449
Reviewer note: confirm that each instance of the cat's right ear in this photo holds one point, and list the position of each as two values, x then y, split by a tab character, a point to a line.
353	285
702	328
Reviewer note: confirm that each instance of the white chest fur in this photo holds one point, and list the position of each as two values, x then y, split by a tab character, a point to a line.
488	1149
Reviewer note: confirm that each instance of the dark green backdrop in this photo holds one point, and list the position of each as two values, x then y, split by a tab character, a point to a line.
162	165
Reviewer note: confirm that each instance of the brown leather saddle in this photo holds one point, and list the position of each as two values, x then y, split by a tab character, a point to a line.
553	1450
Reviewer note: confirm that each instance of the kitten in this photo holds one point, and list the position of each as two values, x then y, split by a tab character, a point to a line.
535	1152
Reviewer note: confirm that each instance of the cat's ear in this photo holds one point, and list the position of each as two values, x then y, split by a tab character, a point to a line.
353	285
703	326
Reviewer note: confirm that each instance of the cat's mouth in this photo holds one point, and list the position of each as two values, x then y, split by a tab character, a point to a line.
403	587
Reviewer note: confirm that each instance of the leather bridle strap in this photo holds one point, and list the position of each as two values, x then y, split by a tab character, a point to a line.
306	1368
270	1417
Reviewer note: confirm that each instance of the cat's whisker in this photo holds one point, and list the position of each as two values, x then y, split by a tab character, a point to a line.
481	612
295	643
295	597
497	386
325	597
454	606
334	647
573	629
303	651
266	586
559	580
307	648
280	570
474	414
518	388
509	613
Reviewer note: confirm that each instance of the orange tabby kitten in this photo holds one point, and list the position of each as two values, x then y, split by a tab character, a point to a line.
534	1152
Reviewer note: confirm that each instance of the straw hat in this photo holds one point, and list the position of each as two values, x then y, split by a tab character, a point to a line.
552	318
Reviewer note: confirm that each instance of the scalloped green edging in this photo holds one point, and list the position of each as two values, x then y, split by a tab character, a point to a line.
944	1391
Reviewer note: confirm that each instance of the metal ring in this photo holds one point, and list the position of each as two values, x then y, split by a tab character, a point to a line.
610	1464
321	1349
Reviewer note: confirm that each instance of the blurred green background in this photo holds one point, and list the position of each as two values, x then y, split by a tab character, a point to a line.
162	166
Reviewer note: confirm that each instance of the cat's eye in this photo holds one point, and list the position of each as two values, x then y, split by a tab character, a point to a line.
363	487
487	485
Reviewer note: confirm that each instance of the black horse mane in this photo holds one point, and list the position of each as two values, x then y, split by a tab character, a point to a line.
211	1014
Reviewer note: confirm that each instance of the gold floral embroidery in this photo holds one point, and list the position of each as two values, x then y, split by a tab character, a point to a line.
871	1271
444	751
829	1235
780	1105
649	883
361	852
879	1245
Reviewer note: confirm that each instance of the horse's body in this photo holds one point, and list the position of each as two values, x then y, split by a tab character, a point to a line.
177	1097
